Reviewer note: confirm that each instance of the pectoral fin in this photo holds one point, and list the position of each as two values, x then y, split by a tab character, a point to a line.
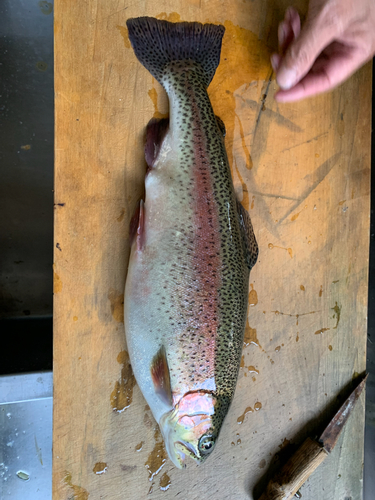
249	243
160	376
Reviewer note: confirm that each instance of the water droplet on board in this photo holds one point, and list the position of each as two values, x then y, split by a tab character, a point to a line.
257	406
122	394
253	296
23	475
100	468
139	446
322	330
241	418
165	482
158	456
252	369
250	336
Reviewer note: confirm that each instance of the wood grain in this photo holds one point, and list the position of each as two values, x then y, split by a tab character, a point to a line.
302	170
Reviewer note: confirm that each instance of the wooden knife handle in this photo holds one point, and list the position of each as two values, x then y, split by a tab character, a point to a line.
295	472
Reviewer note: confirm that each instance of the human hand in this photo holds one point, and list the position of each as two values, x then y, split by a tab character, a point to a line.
337	38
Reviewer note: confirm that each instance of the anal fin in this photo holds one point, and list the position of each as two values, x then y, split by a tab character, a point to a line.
249	242
161	377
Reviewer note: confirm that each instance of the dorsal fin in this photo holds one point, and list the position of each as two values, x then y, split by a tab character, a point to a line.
161	377
249	242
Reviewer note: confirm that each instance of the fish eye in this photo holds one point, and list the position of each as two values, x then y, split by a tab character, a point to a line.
206	444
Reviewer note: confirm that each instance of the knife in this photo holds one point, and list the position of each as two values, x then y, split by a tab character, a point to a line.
285	484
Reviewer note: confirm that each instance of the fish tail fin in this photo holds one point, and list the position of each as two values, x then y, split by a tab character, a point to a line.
157	43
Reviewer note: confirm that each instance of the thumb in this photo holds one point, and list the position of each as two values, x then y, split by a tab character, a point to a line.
301	54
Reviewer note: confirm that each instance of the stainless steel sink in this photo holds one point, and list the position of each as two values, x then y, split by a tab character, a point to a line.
26	436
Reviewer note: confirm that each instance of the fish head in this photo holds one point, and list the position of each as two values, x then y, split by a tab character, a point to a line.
188	429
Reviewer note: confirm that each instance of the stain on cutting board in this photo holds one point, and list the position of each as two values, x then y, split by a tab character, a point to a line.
250	336
117	305
57	283
253	296
158	456
79	493
122	394
100	468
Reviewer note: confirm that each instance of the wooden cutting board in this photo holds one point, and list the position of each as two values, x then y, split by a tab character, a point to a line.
303	172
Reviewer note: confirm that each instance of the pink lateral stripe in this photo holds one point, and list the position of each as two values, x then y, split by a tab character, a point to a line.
207	260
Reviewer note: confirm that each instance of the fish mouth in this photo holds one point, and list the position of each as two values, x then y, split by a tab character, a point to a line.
183	449
180	443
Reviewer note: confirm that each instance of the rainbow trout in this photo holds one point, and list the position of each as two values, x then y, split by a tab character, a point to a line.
193	246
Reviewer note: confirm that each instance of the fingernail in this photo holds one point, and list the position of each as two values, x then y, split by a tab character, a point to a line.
286	78
275	61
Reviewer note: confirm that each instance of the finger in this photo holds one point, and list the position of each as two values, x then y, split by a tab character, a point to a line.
284	33
303	51
288	29
295	21
325	75
275	61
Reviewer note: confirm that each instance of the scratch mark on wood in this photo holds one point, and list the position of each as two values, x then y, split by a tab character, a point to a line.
272	195
313	181
297	316
262	104
249	161
273	115
305	142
